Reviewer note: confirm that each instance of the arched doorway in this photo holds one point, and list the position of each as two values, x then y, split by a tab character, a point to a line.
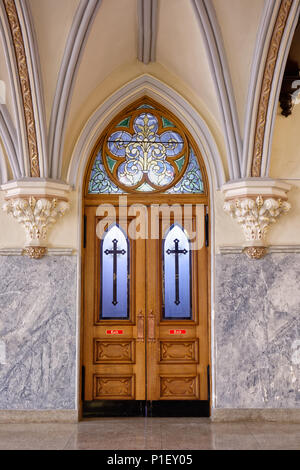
145	269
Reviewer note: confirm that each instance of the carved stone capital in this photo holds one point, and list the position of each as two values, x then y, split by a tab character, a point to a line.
36	212
256	213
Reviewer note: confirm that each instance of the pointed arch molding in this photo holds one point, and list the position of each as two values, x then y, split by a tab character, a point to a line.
25	85
281	38
146	85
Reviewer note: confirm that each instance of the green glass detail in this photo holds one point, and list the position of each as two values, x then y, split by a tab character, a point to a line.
192	181
100	183
111	163
167	123
124	123
180	162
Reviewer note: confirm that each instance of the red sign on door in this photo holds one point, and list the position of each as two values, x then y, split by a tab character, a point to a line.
177	332
114	332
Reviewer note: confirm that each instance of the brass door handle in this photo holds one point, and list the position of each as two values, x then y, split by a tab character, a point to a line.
140	328
151	328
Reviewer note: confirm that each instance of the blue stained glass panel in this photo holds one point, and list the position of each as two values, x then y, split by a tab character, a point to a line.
114	275
177	275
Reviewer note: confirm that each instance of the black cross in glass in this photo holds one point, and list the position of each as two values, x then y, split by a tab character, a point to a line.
177	252
115	252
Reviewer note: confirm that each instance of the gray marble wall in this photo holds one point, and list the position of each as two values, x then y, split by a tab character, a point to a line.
37	333
257	331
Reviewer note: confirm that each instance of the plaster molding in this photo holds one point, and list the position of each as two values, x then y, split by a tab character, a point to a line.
256	211
147	30
50	251
264	34
146	85
274	249
217	59
37	188
3	166
35	77
16	32
9	137
15	89
80	29
265	100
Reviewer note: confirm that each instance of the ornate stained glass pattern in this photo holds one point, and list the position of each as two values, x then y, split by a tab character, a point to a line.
192	181
100	182
146	152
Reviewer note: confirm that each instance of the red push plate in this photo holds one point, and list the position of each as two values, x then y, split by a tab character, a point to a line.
177	332
114	332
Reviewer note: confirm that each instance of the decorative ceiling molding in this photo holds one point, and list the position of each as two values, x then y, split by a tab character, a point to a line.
8	137
267	82
147	24
146	85
16	32
19	136
82	22
35	75
3	167
210	30
264	34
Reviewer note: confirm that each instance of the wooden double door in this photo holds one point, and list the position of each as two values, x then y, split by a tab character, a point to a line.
145	319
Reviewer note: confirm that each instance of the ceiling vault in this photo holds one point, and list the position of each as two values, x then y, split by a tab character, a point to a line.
220	71
147	30
82	22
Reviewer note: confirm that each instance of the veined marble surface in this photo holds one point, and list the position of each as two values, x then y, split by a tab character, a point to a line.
257	328
38	332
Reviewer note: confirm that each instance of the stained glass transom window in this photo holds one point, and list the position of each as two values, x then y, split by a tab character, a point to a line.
145	152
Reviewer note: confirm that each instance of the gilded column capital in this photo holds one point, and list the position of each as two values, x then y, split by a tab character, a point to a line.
37	207
256	206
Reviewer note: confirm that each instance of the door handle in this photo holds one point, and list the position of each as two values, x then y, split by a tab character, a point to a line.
140	328
151	327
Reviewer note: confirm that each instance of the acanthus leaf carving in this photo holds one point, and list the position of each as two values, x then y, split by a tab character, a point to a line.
36	215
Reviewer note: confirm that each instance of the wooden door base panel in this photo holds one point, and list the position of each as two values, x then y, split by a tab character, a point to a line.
162	408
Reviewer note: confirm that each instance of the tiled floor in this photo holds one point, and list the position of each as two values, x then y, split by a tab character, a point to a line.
151	434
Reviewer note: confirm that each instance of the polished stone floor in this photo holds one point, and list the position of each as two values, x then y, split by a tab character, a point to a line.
150	434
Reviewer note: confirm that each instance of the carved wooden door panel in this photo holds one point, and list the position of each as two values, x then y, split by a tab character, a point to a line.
177	339
114	309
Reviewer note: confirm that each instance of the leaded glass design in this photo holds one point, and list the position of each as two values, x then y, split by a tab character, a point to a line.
146	151
100	182
192	181
114	274
176	275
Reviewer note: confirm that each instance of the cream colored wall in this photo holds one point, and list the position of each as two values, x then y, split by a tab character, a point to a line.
52	23
239	28
180	49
